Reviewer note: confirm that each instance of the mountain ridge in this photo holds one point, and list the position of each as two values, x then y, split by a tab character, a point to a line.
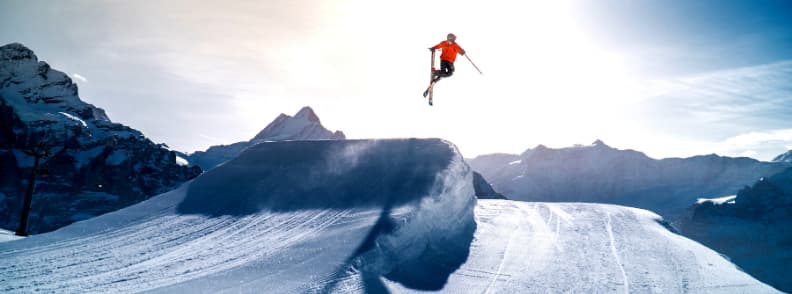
304	125
603	174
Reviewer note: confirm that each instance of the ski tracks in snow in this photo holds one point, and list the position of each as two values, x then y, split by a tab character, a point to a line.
615	252
158	251
530	244
516	229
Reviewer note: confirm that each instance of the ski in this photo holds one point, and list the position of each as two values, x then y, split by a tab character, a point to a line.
429	90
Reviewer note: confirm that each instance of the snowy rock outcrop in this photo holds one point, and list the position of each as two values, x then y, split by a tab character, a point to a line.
602	174
95	165
752	228
305	125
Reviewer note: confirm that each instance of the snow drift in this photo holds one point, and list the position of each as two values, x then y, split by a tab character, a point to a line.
283	217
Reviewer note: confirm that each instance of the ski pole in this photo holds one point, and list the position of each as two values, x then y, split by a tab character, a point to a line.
474	65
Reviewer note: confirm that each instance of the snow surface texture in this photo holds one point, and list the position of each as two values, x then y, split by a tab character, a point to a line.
717	201
283	217
6	235
522	247
305	125
601	174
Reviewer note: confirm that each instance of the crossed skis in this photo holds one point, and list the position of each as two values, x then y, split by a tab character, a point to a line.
433	78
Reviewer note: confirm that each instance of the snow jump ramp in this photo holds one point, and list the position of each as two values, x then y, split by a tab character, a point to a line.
367	216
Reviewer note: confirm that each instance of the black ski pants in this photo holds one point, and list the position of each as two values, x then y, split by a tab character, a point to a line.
446	69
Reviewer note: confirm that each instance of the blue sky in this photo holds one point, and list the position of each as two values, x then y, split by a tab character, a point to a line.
670	78
682	37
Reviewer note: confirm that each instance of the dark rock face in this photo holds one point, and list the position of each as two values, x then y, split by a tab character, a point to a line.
484	189
94	165
752	229
769	200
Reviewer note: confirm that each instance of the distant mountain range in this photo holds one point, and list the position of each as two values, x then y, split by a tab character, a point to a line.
94	165
305	125
601	174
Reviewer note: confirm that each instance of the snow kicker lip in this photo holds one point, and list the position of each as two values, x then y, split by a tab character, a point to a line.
411	247
294	175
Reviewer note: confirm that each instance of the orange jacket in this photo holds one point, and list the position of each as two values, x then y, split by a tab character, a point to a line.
449	51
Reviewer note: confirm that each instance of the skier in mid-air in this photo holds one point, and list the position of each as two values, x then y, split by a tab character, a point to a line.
450	50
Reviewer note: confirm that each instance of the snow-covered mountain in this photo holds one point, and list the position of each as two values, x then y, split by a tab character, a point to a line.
379	216
602	174
785	157
305	125
752	228
95	165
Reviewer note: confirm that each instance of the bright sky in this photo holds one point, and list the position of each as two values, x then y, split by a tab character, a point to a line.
670	78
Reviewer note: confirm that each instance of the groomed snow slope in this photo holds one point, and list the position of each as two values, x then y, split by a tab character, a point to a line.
522	247
361	217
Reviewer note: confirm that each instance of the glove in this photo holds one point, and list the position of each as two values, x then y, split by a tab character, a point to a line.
431	49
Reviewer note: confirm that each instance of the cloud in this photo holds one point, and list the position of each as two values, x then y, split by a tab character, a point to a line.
758	138
723	103
763	145
736	112
79	77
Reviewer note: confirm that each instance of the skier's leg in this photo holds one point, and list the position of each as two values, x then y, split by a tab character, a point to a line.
444	70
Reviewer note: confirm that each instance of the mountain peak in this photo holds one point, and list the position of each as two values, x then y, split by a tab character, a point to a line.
16	51
599	142
307	113
304	125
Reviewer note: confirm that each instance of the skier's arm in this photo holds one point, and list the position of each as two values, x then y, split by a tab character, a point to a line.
461	51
